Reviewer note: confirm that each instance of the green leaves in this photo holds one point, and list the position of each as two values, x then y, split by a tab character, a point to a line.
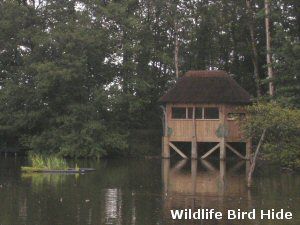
52	92
283	130
77	76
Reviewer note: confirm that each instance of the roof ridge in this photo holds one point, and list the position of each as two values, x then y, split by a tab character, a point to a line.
206	73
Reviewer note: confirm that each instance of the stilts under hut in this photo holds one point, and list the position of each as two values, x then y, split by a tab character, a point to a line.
204	106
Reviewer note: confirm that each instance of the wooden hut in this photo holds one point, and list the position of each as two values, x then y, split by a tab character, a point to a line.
204	106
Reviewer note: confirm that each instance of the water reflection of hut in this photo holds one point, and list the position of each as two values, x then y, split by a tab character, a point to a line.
204	106
205	185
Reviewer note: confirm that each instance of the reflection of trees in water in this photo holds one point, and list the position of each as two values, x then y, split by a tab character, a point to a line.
39	180
107	196
119	192
129	193
23	208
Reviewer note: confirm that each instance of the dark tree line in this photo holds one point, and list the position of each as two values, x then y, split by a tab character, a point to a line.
77	77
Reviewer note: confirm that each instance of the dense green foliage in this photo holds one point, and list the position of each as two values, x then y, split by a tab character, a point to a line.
79	78
282	127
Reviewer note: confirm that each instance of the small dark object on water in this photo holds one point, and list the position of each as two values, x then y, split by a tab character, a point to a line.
70	170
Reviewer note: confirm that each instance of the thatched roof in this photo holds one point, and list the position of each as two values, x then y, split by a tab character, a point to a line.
206	86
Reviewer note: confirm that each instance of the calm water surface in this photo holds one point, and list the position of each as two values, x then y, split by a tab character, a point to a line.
141	192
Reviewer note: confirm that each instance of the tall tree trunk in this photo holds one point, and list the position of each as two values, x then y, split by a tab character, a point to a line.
253	46
253	160
269	54
176	50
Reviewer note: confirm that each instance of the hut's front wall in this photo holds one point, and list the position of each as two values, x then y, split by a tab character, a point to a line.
205	129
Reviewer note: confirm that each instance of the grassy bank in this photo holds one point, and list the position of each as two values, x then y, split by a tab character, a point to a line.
40	162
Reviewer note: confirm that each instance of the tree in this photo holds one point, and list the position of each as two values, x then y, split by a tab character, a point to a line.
60	104
253	46
277	129
268	48
86	75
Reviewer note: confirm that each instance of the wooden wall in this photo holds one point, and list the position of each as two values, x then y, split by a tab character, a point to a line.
183	129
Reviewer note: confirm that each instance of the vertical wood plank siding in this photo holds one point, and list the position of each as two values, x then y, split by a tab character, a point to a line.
183	129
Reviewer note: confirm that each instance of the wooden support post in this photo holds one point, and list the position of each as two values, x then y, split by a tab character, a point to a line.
235	151
222	180
210	151
178	151
165	174
179	165
223	142
194	154
222	149
165	147
194	181
236	167
194	165
209	166
248	149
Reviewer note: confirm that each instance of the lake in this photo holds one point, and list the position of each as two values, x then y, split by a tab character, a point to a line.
142	192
